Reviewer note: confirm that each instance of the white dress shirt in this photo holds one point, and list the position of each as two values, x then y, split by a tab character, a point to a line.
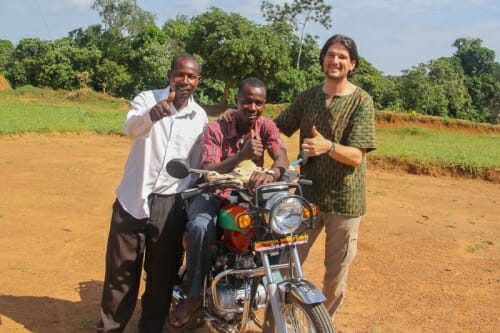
176	136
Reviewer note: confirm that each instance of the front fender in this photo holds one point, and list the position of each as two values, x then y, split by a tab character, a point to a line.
303	290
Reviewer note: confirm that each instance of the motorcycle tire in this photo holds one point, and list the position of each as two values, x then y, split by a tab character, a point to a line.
300	317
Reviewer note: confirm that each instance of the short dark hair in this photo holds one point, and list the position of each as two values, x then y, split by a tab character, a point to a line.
348	43
184	56
253	82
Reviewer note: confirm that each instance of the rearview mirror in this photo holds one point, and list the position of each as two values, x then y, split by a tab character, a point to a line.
178	168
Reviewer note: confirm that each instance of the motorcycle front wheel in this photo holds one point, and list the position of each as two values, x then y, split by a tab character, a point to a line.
300	317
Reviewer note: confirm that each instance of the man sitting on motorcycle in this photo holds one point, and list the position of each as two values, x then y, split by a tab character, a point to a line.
226	145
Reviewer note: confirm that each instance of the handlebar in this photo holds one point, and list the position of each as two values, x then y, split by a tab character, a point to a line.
211	186
236	180
306	182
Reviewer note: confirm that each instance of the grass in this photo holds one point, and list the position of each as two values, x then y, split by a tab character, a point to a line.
56	118
42	110
466	152
474	248
389	117
30	109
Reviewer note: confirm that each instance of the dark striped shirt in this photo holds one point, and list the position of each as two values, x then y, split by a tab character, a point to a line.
349	120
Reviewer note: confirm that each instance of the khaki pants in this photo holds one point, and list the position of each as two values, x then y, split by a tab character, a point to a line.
340	249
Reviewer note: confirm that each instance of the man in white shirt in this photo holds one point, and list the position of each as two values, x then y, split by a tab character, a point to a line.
148	213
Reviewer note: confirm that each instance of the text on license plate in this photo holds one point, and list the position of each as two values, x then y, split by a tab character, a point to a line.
281	242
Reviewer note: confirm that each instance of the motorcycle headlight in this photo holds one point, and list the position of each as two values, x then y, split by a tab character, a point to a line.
285	212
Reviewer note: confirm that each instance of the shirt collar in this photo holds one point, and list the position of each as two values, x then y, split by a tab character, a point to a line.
188	112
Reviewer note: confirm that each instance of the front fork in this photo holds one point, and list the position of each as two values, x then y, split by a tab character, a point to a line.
277	290
273	292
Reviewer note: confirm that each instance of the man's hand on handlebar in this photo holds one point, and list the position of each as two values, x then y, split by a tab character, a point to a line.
258	178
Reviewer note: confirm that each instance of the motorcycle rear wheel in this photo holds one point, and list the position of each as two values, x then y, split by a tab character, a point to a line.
300	317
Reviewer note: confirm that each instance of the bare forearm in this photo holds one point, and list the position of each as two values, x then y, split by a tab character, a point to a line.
351	156
227	165
280	164
318	145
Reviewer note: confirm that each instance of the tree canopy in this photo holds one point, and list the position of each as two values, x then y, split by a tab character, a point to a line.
128	53
247	48
298	13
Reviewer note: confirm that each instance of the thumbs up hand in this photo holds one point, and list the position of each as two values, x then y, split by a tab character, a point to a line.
317	144
315	132
163	107
252	148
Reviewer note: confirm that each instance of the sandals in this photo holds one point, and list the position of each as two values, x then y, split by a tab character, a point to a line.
181	314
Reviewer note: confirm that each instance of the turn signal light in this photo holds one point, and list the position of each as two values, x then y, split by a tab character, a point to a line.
308	212
243	220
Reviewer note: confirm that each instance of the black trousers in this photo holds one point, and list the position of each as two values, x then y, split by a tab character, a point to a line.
157	241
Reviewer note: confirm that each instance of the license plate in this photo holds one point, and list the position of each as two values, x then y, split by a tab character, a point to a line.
271	244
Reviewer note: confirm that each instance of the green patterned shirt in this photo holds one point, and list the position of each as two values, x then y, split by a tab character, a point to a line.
349	120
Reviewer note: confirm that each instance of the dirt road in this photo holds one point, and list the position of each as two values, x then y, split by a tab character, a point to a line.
429	252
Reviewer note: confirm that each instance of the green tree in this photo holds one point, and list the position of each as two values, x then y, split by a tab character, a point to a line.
57	67
292	81
123	16
151	59
27	62
113	78
122	21
420	94
232	48
482	90
88	37
87	54
125	25
370	79
310	56
482	75
383	89
495	107
388	96
6	50
475	58
448	73
177	31
43	64
298	13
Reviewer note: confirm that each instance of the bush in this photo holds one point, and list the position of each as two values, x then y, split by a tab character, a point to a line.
391	117
270	111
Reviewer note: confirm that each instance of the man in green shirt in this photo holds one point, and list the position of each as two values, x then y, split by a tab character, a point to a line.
336	120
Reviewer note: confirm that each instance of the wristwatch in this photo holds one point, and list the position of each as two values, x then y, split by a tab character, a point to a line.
271	172
331	150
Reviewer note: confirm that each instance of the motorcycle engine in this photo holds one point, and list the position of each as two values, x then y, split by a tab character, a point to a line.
230	297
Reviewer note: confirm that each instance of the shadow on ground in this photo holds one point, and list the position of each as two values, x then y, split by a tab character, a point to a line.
46	314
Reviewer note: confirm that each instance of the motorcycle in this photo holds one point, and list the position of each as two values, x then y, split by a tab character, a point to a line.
255	276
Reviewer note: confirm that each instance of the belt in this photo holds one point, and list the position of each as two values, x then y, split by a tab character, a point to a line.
157	195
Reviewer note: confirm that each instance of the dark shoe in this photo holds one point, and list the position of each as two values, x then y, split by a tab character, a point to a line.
183	312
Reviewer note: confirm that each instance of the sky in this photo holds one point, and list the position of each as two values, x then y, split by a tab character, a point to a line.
393	35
